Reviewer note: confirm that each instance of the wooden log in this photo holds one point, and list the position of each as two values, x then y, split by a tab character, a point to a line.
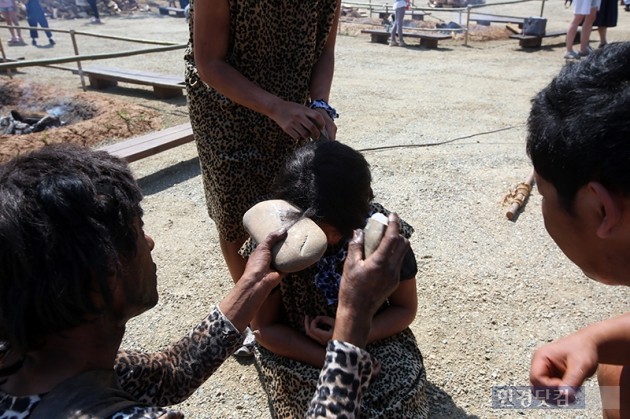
521	194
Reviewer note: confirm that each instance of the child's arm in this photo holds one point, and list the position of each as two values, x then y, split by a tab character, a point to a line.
403	304
284	340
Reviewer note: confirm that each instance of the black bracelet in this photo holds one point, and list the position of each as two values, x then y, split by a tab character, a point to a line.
322	104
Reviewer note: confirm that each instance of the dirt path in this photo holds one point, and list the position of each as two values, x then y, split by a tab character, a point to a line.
490	290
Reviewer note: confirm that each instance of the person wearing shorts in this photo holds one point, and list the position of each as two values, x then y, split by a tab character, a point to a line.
8	9
584	12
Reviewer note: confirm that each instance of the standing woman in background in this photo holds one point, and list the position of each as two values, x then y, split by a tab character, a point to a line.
8	9
397	28
606	18
258	76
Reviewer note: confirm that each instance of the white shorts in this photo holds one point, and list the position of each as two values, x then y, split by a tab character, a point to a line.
583	7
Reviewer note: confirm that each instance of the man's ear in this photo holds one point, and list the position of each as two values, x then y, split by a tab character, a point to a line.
611	209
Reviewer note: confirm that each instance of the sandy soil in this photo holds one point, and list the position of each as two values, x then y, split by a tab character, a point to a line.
444	133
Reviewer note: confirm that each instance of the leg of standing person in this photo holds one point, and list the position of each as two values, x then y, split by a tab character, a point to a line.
571	32
43	22
392	41
234	261
13	20
32	22
614	385
97	18
5	15
400	17
587	28
601	30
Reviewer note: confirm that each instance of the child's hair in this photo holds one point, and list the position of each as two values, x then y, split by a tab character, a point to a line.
330	182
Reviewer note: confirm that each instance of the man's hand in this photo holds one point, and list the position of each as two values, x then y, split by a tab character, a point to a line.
566	362
249	293
366	283
258	264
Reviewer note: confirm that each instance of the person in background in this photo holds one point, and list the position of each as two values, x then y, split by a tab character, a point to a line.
258	79
97	17
35	15
578	131
584	12
606	18
397	28
8	8
76	265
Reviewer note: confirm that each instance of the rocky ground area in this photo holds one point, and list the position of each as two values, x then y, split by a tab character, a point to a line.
444	133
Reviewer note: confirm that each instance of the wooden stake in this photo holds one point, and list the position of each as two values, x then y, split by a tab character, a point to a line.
520	196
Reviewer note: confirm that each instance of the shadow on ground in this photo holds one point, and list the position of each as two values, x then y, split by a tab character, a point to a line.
169	176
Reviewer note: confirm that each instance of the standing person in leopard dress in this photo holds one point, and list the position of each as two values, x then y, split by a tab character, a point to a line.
258	76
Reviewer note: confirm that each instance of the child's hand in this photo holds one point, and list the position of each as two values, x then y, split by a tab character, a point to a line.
319	328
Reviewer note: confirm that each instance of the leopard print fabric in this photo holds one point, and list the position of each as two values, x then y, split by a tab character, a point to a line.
275	44
343	380
170	376
397	392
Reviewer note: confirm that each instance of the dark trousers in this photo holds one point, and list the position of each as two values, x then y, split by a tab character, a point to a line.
92	4
35	16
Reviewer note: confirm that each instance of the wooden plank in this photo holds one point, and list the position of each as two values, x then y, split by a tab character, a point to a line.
172	11
150	144
533	41
427	40
9	60
164	86
487	20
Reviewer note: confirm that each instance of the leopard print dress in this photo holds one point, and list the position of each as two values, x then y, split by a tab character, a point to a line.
274	43
398	391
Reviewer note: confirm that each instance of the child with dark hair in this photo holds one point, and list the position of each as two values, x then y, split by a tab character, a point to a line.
330	182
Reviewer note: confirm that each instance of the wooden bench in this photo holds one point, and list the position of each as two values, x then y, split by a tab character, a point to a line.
427	40
149	144
488	20
172	11
164	86
9	60
533	41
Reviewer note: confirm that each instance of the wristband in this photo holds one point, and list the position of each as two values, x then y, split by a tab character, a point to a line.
322	104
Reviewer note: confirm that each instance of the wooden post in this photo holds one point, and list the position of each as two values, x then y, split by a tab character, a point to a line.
76	52
520	196
4	59
468	9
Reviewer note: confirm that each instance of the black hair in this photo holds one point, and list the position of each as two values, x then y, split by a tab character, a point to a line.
66	219
330	182
579	125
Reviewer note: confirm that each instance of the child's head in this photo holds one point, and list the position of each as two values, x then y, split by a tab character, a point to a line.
330	182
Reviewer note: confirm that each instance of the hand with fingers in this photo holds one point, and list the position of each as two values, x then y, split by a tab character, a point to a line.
565	363
319	328
299	121
366	283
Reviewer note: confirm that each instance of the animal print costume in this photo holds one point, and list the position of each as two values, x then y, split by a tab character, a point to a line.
275	44
398	391
169	377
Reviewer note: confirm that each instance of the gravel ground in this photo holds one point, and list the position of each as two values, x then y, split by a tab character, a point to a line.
444	133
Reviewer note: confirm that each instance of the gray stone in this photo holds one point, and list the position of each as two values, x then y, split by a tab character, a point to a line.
305	242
